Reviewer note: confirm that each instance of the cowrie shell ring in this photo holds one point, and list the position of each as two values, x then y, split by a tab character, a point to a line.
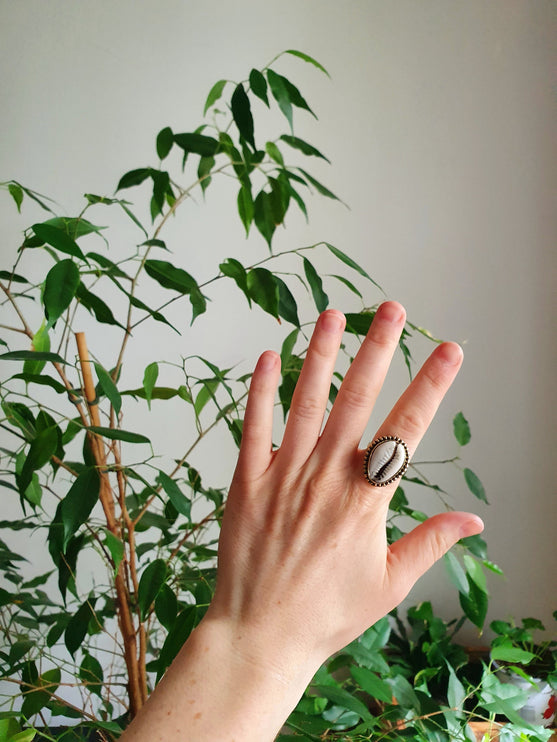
386	459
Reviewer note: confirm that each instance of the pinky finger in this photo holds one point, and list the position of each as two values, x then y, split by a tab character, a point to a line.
257	431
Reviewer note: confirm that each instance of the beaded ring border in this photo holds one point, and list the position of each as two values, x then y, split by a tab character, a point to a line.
390	468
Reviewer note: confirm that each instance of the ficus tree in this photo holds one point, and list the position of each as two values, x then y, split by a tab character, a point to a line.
88	644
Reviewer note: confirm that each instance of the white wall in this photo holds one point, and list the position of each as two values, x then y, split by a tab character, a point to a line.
440	123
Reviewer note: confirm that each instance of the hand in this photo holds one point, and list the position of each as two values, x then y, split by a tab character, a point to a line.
304	563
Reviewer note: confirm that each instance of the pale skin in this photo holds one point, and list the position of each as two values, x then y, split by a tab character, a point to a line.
304	564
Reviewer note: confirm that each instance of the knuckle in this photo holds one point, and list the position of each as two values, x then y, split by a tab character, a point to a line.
410	421
354	398
307	408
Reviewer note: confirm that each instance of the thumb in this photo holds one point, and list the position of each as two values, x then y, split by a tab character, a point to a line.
417	551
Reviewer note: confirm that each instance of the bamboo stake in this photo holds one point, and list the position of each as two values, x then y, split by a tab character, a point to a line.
136	693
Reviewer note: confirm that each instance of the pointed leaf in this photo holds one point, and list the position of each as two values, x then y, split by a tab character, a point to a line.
456	573
77	505
264	216
303	146
151	581
371	683
461	429
116	548
198	144
58	239
150	377
307	58
214	94
40	343
170	277
76	629
175	495
134	178
41	450
165	140
16	193
319	187
61	285
351	263
474	485
316	284
474	604
118	435
274	153
109	388
245	207
258	86
280	94
264	290
288	309
241	113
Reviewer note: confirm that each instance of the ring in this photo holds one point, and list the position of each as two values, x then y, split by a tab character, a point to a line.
386	459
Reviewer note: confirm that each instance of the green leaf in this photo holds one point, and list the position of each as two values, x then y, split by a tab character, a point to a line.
316	284
214	94
58	239
264	216
61	285
198	303
348	284
134	178
474	604
263	290
307	58
198	144
40	343
474	485
116	548
76	629
475	572
165	140
91	674
80	500
74	227
118	435
170	277
280	94
41	450
456	694
508	653
16	193
371	683
181	629
175	495
319	187
343	698
150	377
302	146
96	306
258	85
206	164
109	388
274	153
287	348
287	309
351	263
245	207
45	686
461	429
456	573
166	606
12	277
475	545
359	324
241	113
151	581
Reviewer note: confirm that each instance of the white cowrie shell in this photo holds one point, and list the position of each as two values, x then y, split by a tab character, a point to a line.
386	459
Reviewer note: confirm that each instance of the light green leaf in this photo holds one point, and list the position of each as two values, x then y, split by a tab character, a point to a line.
474	485
287	348
456	573
371	683
16	193
175	495
214	94
149	380
61	285
461	429
280	94
343	698
40	343
109	388
151	581
116	548
455	692
508	653
307	58
475	572
80	500
274	153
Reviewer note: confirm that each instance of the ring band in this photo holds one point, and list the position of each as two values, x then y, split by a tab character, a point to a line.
386	459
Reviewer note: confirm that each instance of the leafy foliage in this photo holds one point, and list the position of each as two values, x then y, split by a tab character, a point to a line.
90	487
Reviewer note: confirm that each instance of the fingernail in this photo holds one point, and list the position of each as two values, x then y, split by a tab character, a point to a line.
267	361
450	353
332	321
471	527
391	311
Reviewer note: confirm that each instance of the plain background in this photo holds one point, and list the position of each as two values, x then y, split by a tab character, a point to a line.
440	122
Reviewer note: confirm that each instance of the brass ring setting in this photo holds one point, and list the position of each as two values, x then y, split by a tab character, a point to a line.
385	460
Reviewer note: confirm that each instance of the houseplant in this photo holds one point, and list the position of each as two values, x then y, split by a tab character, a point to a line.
91	487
